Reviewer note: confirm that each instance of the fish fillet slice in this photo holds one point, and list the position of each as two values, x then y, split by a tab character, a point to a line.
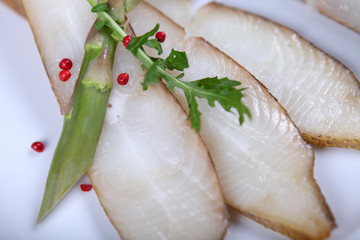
16	5
326	109
264	166
151	172
177	10
321	95
68	28
346	12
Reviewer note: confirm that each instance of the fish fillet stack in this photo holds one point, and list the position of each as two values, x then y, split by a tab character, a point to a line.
153	174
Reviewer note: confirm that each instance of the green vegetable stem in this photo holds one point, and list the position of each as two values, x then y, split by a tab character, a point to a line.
83	121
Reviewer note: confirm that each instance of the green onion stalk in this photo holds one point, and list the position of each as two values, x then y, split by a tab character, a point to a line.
83	121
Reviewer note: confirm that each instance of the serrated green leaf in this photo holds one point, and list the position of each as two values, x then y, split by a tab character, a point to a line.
194	113
152	77
176	60
216	83
155	44
100	7
137	43
224	92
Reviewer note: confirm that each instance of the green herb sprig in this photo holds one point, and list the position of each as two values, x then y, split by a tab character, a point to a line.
222	90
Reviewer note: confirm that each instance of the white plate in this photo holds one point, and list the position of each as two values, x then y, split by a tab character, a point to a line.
29	112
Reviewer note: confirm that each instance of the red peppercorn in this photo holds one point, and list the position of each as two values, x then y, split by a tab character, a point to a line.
123	79
85	187
160	36
64	75
38	146
65	64
126	40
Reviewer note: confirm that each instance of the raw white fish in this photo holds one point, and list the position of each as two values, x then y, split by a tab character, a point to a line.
265	167
321	95
152	173
346	12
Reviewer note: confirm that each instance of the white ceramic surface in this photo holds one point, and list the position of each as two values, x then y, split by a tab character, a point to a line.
29	112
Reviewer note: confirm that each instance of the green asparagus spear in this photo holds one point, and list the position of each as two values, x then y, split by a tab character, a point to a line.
83	121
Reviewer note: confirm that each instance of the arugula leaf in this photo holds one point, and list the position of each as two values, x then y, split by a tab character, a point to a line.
152	76
194	113
137	43
176	60
155	44
222	90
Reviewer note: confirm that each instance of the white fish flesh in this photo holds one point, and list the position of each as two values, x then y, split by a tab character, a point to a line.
265	167
177	10
320	94
60	31
346	12
152	173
